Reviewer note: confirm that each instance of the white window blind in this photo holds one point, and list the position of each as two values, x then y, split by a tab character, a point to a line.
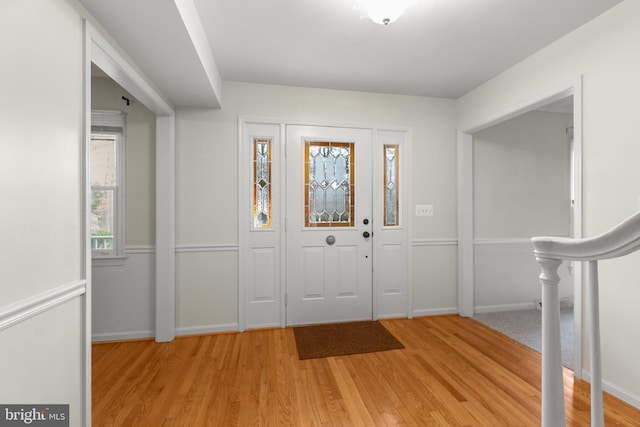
107	121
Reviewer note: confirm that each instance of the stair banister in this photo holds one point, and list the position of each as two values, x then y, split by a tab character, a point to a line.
550	252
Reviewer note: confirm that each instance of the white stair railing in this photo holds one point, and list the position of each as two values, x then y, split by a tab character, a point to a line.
550	252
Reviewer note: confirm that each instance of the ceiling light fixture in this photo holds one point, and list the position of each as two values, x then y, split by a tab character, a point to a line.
384	12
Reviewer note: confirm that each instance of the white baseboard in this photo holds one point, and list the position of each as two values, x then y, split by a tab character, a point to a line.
206	329
261	326
618	392
564	303
393	316
504	307
435	311
188	330
122	336
485	308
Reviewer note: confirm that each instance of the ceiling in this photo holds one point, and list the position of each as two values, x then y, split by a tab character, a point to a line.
439	48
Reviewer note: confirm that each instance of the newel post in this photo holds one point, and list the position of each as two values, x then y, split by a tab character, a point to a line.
552	384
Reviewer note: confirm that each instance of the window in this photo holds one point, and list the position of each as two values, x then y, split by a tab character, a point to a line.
262	183
107	184
329	184
391	166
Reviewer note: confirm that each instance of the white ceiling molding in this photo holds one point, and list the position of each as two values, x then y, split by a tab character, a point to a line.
564	105
116	67
192	23
166	45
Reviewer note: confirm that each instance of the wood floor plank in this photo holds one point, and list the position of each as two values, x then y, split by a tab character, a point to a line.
453	371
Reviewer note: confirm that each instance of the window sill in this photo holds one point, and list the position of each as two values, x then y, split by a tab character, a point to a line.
109	261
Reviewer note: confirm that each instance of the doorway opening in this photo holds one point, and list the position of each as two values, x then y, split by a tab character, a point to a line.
100	52
122	164
538	193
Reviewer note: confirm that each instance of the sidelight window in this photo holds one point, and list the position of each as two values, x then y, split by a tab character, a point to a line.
262	215
391	174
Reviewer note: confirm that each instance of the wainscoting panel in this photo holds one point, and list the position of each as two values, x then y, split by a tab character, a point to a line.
392	281
206	290
124	295
435	277
262	288
123	298
506	275
42	350
263	280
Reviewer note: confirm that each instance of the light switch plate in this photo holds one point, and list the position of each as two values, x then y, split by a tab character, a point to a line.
424	210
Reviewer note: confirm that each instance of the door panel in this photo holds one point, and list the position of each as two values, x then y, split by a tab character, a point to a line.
313	271
347	279
329	262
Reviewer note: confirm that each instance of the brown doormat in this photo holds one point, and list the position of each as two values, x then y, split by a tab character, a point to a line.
338	339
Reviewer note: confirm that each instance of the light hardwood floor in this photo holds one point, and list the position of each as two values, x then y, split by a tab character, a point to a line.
453	372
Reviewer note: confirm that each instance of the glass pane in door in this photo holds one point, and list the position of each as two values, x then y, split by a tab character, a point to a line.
329	184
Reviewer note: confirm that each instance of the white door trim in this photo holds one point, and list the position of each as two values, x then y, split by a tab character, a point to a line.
244	207
465	199
99	50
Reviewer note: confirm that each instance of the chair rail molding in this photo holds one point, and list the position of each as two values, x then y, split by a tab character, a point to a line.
36	304
435	242
208	247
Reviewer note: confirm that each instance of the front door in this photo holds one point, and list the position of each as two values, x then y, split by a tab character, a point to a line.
329	224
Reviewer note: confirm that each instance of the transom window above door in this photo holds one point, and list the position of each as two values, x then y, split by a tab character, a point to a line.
329	184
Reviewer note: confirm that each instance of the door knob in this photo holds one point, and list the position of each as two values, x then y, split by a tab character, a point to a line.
366	234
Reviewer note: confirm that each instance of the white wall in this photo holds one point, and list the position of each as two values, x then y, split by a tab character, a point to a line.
521	177
206	191
521	190
605	52
123	296
41	223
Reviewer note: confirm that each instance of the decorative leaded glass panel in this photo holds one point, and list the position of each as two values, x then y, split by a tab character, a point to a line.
391	153
262	183
329	184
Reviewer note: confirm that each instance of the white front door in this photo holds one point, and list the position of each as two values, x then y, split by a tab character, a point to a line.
329	224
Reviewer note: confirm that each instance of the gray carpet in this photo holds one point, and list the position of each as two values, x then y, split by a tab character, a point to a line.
526	327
